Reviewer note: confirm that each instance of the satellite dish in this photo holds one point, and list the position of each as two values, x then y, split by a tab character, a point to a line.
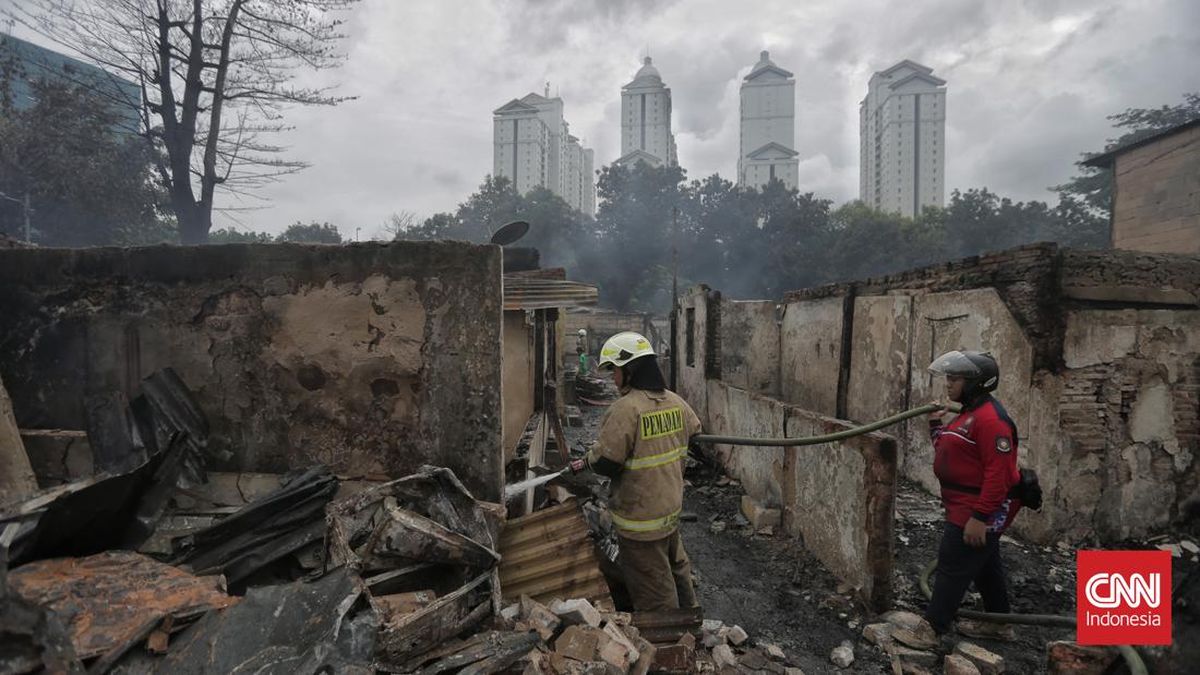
510	232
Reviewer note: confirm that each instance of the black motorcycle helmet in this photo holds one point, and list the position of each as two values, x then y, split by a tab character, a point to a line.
979	370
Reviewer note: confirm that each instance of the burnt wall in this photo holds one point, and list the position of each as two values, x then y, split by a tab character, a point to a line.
1100	367
749	345
838	497
372	358
1026	279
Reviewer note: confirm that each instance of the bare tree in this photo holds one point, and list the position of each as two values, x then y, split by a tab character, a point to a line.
215	77
400	222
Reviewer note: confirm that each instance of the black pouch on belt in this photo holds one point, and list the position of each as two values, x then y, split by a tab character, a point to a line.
1028	490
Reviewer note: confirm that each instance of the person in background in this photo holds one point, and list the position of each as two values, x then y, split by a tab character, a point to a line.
581	350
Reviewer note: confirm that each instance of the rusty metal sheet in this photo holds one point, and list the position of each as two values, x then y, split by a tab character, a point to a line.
521	292
321	626
105	598
550	554
34	639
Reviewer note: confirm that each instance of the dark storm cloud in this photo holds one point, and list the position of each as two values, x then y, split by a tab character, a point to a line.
541	25
1030	84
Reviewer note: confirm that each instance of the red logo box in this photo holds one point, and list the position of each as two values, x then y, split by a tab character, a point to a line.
1123	597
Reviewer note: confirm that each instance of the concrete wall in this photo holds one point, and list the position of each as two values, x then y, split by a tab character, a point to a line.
1156	195
811	352
879	357
692	378
518	374
371	358
737	412
838	497
1099	359
750	345
1128	407
600	325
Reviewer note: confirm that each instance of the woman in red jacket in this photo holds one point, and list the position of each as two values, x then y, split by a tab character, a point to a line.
975	460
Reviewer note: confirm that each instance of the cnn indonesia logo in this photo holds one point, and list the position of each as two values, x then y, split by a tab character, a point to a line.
1123	597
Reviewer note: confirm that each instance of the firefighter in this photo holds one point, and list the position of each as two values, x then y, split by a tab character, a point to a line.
975	461
581	350
642	445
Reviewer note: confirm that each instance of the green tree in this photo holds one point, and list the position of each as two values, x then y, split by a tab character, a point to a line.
795	242
979	220
228	235
717	225
312	233
1092	188
437	226
562	235
866	243
88	183
1077	226
634	228
491	207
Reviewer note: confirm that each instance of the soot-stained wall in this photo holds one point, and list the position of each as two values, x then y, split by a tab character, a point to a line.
372	358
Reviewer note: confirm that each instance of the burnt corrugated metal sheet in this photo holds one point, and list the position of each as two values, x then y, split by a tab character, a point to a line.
530	293
549	554
104	598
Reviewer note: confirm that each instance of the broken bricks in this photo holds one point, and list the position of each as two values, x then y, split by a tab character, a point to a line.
760	516
534	615
958	665
673	659
842	655
1070	658
723	656
987	662
577	611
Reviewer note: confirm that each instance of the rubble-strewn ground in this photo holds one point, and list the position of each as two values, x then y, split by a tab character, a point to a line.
778	592
775	589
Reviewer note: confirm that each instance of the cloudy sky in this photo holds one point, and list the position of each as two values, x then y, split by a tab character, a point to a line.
1030	84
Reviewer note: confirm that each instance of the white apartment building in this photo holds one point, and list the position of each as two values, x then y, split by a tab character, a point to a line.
902	146
646	119
532	146
768	126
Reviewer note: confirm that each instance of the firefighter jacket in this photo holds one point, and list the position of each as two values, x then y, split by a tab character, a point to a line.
975	460
646	433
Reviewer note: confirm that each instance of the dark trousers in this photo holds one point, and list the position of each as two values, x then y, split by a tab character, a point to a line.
657	573
960	564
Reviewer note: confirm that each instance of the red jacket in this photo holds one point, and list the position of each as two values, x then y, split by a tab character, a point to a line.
975	460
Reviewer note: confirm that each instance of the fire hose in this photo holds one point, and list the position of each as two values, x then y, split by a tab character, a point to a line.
825	438
1132	659
1131	656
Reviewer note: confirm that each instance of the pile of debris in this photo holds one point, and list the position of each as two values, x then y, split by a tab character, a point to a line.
155	564
913	647
594	390
574	637
159	565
